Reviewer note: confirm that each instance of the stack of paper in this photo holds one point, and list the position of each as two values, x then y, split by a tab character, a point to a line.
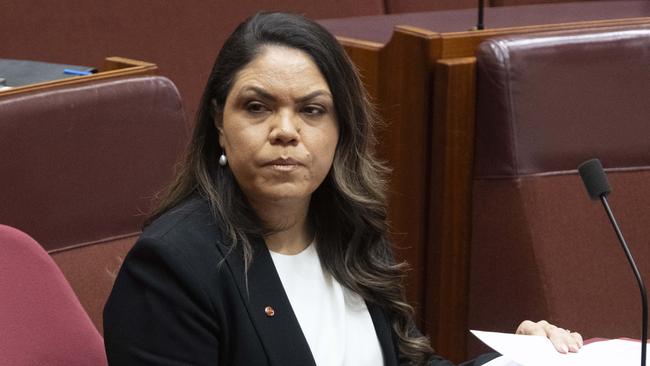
520	350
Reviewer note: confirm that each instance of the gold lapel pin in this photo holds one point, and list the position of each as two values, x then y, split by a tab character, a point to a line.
269	311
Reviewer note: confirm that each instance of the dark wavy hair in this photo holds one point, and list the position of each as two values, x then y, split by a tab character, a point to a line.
347	211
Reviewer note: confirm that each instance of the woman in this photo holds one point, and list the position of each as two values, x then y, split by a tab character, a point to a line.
271	247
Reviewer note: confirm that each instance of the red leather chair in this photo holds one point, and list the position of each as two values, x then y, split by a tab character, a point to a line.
540	248
80	165
41	320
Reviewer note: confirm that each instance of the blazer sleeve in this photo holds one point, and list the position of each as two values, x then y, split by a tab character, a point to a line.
158	312
437	360
482	359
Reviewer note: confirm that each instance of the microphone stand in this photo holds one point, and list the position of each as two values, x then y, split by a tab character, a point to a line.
644	296
479	24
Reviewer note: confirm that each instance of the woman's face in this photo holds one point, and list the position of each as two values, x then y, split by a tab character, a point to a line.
279	127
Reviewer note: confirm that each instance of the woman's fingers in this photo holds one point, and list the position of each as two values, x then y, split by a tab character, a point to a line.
577	337
560	339
563	340
528	327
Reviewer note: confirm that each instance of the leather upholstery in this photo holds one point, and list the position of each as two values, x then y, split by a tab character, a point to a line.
540	248
558	99
42	321
80	166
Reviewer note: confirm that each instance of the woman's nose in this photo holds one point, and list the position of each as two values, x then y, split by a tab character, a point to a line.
285	129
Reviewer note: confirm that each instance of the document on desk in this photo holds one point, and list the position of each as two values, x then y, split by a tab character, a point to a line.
521	350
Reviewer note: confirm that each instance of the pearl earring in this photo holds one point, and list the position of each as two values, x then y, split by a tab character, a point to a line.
223	160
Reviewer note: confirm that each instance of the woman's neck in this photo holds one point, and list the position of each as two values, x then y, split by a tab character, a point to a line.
290	230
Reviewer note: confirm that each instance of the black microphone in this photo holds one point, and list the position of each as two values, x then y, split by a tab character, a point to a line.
595	181
479	23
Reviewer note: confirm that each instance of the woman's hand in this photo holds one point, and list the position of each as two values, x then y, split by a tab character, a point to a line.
563	339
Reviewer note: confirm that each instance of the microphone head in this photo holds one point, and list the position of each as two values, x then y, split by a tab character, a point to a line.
594	178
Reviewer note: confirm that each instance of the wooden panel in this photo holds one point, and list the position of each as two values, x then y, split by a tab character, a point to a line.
121	63
404	143
447	256
365	55
113	67
393	82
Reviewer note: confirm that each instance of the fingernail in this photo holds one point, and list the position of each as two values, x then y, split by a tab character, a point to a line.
564	348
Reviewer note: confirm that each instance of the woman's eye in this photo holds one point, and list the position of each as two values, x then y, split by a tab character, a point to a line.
256	107
313	110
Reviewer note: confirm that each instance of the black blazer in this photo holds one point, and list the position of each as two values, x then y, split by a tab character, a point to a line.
176	301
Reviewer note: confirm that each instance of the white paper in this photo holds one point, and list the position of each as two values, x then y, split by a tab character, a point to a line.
538	351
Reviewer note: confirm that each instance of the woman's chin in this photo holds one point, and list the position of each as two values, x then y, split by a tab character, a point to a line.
284	193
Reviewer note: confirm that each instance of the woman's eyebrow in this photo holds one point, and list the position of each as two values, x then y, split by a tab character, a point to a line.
262	93
313	95
259	91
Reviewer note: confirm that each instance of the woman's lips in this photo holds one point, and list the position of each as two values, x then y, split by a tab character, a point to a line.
284	164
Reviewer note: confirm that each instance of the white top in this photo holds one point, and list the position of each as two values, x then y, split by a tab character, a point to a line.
334	320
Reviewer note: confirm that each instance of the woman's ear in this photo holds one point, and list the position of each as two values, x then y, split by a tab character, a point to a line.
217	120
222	140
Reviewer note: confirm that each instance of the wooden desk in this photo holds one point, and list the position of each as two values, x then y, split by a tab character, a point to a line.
423	81
113	67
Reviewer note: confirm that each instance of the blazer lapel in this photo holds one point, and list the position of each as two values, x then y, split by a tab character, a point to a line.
269	308
384	334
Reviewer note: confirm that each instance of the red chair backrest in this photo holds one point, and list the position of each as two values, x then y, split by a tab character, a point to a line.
540	248
41	320
80	165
